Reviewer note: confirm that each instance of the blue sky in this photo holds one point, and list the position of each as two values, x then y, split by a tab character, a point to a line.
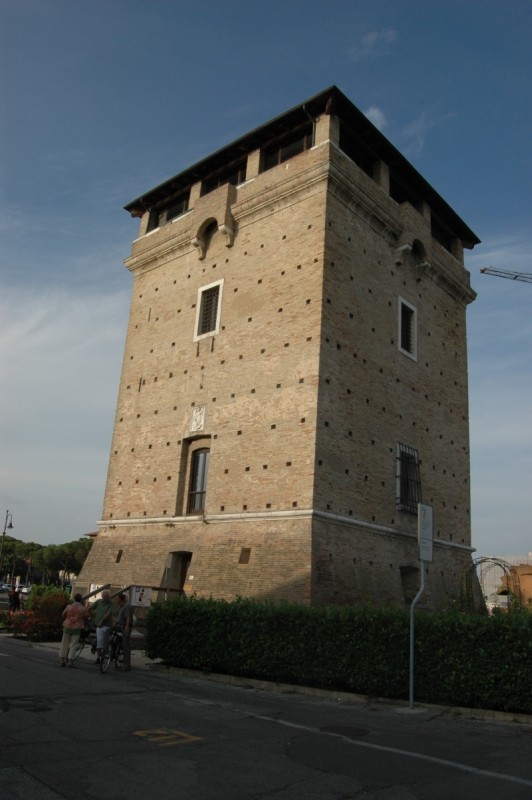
101	101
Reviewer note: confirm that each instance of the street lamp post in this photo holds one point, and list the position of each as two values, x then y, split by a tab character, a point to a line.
8	525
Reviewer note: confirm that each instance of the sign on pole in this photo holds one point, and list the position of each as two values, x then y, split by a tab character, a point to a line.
425	536
141	596
425	531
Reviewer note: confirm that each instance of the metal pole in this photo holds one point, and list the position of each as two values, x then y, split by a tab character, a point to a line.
7	524
412	607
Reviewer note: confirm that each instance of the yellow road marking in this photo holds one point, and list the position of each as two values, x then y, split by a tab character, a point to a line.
167	736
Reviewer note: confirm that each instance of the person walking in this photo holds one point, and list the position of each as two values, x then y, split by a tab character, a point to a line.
74	617
102	612
125	621
14	599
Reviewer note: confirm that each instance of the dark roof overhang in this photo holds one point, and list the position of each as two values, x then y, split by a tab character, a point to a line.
331	100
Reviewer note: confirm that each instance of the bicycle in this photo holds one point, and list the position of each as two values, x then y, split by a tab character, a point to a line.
113	651
87	638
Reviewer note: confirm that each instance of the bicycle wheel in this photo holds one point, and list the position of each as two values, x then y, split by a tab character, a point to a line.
107	657
79	648
119	656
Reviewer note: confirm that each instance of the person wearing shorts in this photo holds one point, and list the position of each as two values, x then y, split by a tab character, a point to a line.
102	612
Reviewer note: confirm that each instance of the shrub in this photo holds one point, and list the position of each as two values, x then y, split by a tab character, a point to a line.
41	620
460	659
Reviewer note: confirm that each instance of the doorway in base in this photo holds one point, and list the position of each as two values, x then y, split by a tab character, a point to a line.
176	572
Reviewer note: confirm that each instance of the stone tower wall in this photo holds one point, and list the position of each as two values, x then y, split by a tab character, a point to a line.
301	395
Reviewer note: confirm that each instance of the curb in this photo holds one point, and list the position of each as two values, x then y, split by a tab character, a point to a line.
346	697
138	661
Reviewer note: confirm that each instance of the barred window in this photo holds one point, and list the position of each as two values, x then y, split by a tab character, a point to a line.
208	310
407	324
209	307
408	478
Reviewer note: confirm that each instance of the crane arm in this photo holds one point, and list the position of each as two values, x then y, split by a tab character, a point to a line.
504	273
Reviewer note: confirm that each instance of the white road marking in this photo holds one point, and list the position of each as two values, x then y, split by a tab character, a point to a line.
382	748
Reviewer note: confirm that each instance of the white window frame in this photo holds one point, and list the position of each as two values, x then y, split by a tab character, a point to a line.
216	329
412	353
198	477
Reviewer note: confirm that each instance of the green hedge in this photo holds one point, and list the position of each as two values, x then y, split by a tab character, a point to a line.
460	659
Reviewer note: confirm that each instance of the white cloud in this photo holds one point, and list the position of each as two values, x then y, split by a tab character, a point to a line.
60	354
415	133
500	388
507	251
374	43
377	116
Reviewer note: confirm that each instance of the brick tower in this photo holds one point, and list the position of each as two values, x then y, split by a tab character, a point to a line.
295	374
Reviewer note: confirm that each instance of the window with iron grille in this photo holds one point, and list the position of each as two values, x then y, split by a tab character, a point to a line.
208	310
198	481
408	479
407	324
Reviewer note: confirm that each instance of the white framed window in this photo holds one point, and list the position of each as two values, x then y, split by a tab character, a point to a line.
208	309
407	328
408	479
199	470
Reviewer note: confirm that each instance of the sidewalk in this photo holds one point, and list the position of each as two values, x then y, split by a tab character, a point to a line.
139	661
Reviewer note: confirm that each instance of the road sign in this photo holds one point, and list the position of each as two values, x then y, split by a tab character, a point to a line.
425	531
141	596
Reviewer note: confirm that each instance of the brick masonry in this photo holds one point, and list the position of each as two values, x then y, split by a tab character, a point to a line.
301	396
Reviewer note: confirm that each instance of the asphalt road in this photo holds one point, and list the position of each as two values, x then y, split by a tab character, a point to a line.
149	733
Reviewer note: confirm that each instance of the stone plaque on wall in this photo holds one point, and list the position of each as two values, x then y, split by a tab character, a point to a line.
197	419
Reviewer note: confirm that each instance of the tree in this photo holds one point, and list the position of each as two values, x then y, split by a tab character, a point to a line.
13	560
46	564
67	559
